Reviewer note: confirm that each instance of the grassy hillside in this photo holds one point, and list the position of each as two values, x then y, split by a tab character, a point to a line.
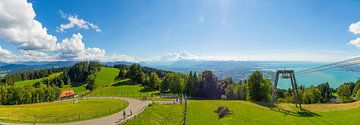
201	112
31	82
159	115
123	89
106	76
59	112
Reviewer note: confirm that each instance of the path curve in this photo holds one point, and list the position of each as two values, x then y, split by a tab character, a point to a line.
137	106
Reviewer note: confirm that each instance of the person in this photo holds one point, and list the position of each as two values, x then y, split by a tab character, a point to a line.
124	114
130	112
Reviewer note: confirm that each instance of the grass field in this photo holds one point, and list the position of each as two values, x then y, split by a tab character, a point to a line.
123	89
61	112
106	76
159	115
201	112
31	82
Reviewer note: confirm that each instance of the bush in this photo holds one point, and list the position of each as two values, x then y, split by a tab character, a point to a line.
358	95
223	97
222	111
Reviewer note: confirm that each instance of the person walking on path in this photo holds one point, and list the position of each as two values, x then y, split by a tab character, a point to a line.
124	114
130	112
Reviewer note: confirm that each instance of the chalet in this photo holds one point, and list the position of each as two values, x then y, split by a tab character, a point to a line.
67	94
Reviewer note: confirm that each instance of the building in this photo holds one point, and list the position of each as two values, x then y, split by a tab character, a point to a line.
67	94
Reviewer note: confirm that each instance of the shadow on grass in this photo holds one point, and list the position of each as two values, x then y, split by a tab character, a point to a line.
120	83
301	113
147	89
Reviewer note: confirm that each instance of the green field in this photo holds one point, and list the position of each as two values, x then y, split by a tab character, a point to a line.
123	89
32	82
159	115
106	77
201	112
60	112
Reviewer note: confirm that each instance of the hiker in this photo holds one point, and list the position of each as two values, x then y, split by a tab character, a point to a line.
124	114
130	112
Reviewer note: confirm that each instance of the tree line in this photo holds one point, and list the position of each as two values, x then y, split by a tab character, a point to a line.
12	95
10	79
255	88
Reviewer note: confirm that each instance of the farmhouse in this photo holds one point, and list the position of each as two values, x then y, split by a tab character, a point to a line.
67	94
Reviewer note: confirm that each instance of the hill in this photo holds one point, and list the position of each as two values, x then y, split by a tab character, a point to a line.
201	112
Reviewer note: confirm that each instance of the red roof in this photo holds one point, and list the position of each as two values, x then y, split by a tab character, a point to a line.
67	93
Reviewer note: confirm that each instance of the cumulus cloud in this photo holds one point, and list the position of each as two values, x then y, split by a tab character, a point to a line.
18	26
355	28
4	53
31	55
74	49
355	42
116	57
75	21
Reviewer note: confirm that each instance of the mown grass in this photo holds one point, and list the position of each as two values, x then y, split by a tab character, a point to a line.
123	88
106	76
201	112
60	112
32	82
159	115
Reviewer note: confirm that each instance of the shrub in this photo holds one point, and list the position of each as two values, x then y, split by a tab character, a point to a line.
223	97
222	111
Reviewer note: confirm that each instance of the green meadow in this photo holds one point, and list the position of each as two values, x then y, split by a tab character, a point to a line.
60	112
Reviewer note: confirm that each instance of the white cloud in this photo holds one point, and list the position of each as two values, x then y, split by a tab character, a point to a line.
32	55
74	21
74	49
355	42
116	57
355	28
4	52
18	26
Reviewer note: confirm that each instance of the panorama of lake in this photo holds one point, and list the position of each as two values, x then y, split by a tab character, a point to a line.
334	77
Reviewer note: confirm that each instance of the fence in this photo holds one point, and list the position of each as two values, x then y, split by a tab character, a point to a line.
125	94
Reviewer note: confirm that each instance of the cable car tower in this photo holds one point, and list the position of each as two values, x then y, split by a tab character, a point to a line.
286	74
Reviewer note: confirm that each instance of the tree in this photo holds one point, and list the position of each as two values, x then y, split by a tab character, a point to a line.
208	84
230	91
174	82
136	74
122	74
241	91
191	84
154	81
326	92
254	86
344	92
356	88
90	81
312	95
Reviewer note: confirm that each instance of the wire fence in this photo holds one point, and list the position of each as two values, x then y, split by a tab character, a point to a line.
143	96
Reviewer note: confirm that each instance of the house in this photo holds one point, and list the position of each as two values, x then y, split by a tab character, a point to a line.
67	94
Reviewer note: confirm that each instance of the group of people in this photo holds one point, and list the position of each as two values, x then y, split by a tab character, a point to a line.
124	114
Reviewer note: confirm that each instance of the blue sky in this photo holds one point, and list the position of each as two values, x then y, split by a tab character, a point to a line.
280	30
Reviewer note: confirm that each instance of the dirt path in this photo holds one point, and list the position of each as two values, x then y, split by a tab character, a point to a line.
135	105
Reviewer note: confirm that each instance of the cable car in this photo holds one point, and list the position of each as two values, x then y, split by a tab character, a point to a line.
285	75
